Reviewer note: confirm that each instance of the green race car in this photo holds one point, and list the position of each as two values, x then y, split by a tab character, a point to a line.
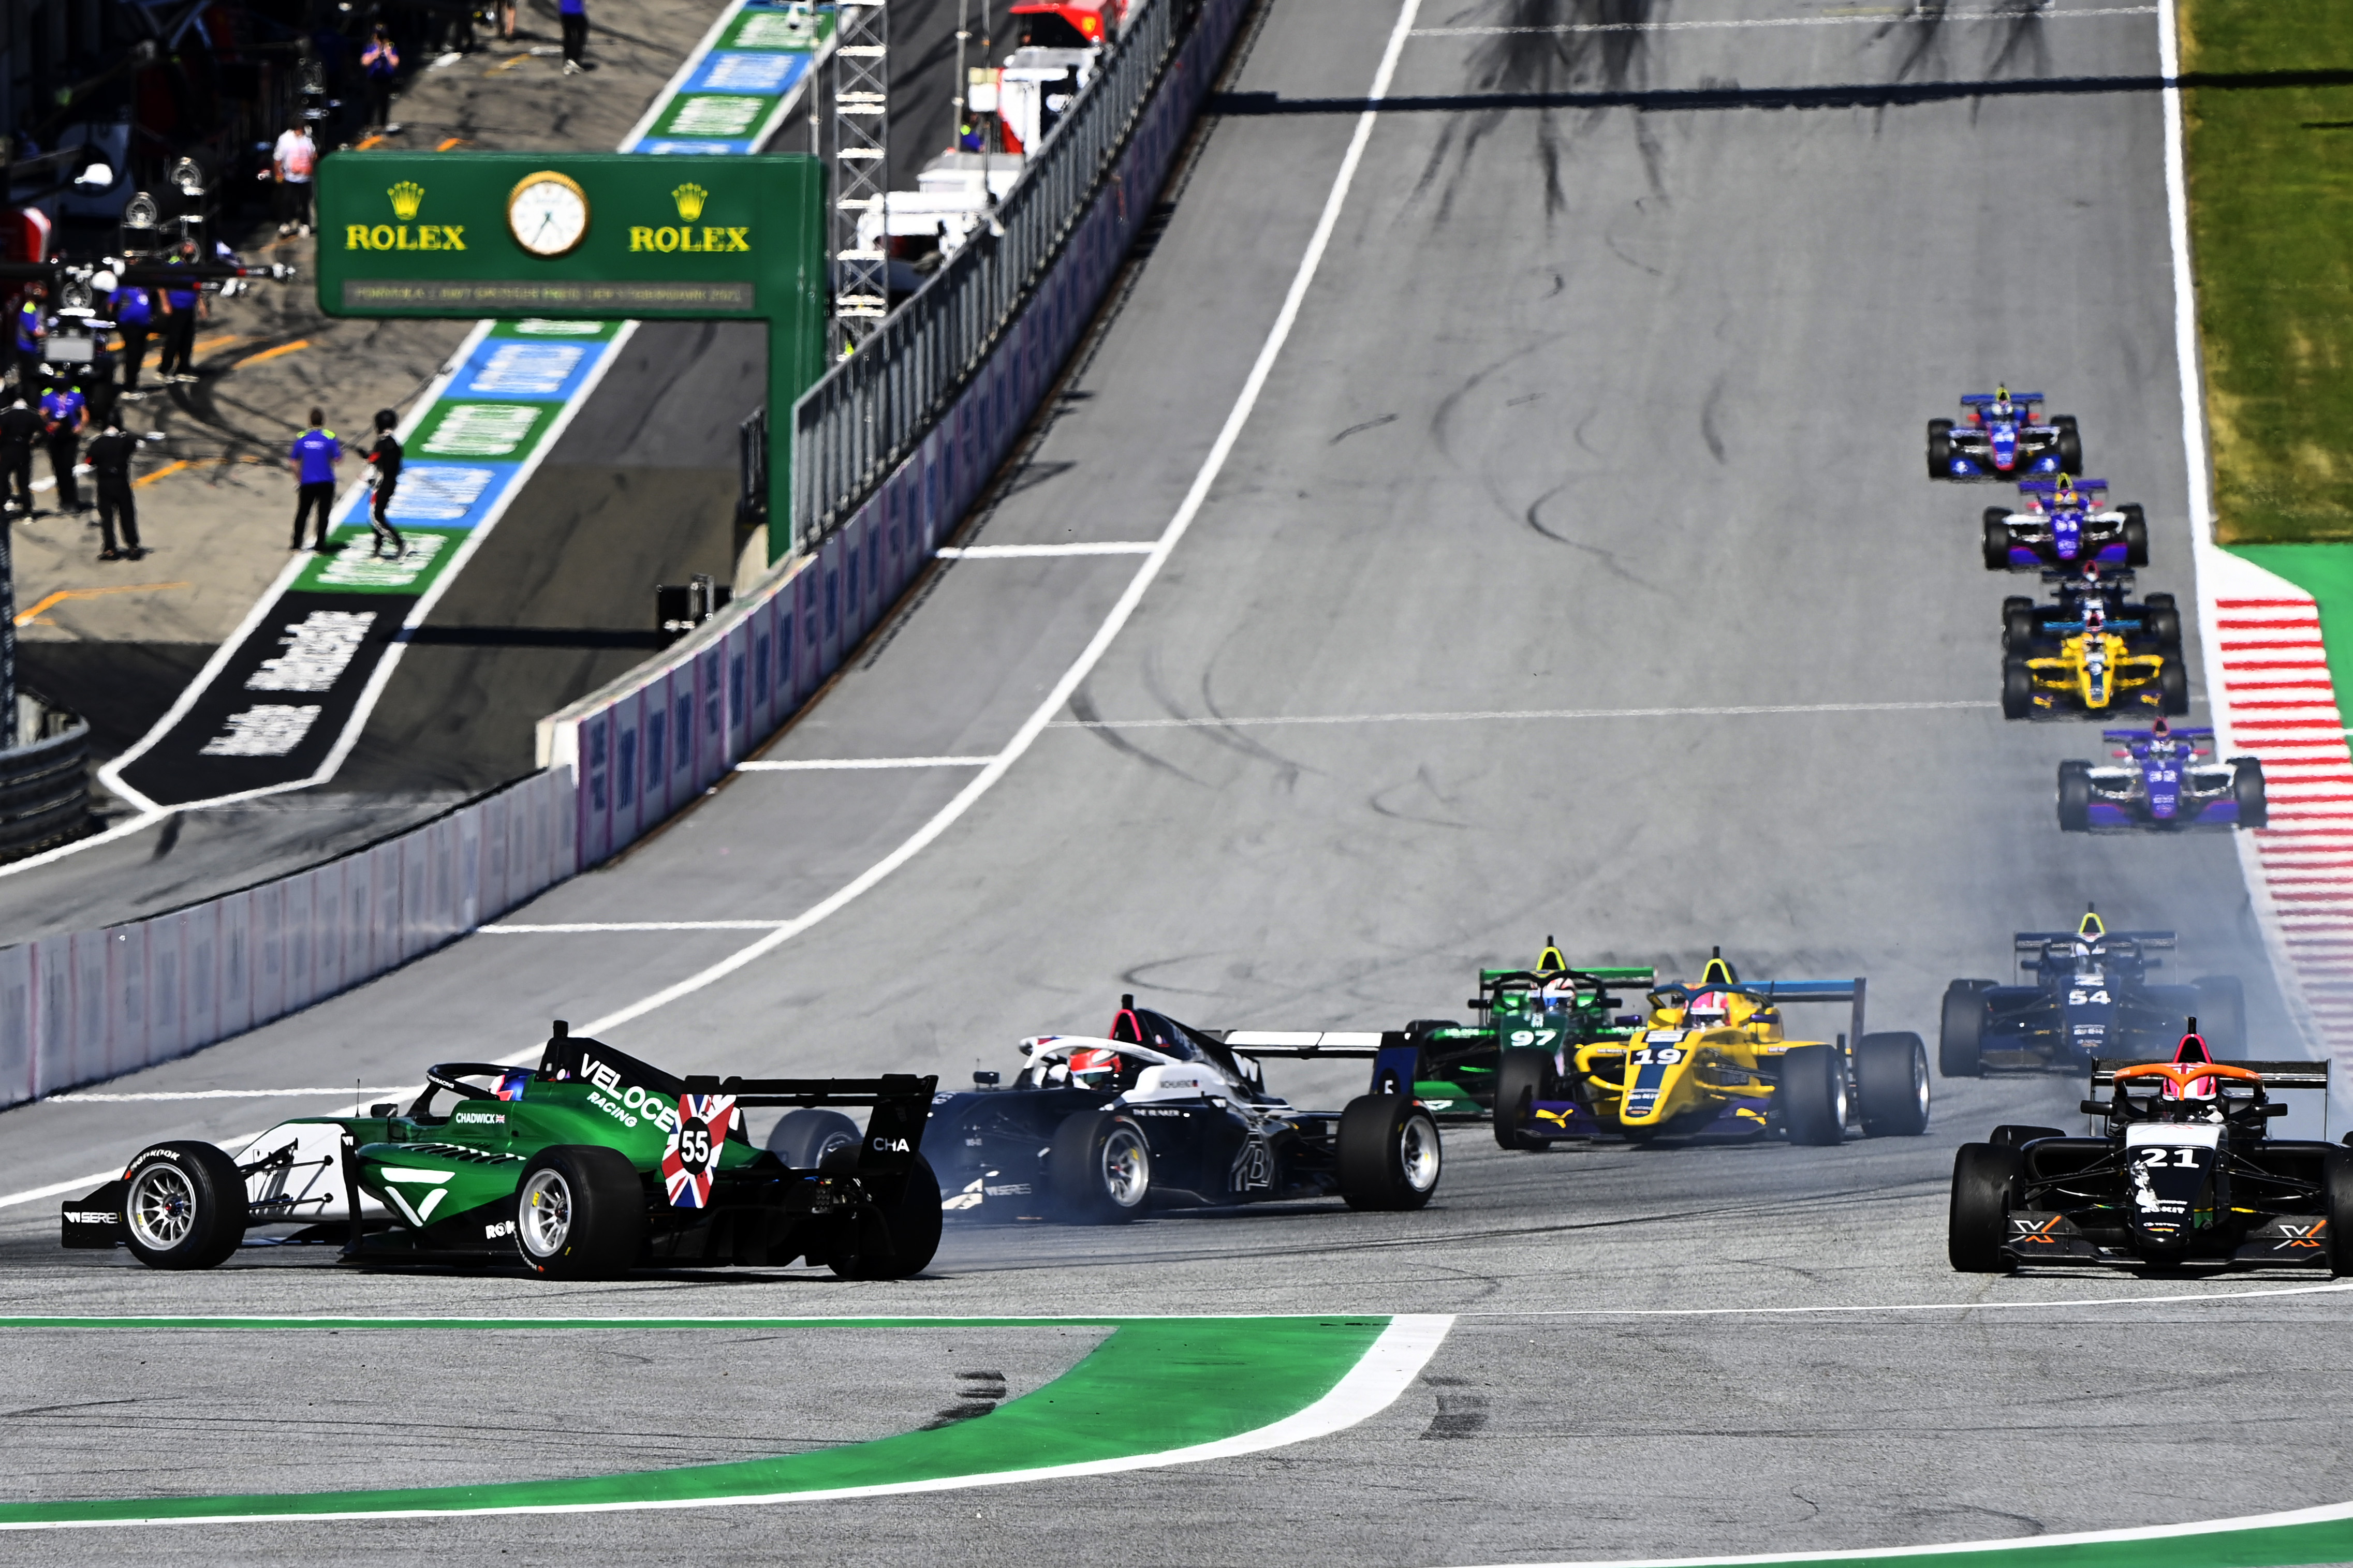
592	1164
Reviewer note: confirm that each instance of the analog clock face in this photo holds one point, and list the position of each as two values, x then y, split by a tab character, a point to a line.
548	215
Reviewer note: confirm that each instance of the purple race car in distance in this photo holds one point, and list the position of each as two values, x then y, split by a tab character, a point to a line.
2001	438
2163	779
2064	525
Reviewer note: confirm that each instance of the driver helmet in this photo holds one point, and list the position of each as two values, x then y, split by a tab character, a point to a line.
1708	1010
1094	1067
2063	491
2001	397
2195	1091
2161	729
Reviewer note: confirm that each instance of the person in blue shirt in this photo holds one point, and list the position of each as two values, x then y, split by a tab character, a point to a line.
64	412
32	332
135	315
313	462
181	306
574	14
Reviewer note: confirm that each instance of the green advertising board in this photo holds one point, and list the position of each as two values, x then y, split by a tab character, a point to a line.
587	236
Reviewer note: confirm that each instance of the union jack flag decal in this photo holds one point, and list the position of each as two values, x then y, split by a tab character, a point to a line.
692	1152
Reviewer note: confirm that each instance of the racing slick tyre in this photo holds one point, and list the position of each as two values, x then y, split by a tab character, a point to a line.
2018	626
2135	534
1997	540
580	1213
1813	1095
2336	1207
1940	447
2075	797
2162	625
1960	1038
2247	789
895	1243
1985	1183
2222	1014
2071	443
2018	688
182	1205
1891	1085
2172	689
1390	1153
1100	1170
805	1137
1521	1077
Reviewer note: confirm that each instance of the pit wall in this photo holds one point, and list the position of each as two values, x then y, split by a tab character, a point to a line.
96	1004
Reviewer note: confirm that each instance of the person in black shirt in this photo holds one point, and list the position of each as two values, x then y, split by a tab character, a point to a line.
385	455
110	460
19	428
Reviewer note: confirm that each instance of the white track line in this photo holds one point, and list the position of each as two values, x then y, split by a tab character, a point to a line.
1389	1367
1211	467
837	764
1028	552
1863	18
571	928
1481	715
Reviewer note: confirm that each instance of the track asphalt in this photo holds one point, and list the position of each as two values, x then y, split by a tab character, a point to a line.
1588	410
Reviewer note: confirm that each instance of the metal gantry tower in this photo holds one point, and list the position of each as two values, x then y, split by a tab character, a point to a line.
861	170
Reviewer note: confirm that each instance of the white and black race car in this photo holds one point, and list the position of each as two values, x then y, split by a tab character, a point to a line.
1155	1113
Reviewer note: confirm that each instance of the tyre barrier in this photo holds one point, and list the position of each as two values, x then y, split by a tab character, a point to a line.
74	1010
44	783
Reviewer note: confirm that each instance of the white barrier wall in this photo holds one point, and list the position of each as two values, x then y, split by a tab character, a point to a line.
95	1004
76	1009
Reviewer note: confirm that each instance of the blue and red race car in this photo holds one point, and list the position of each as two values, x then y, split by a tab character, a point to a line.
2064	525
2003	438
2163	779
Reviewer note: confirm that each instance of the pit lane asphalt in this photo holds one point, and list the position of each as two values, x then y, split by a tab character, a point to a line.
1649	443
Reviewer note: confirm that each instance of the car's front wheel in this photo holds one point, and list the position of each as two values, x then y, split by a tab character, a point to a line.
1390	1153
1940	448
806	1138
182	1205
1101	1168
1985	1184
2074	796
2247	791
1997	540
2017	689
2135	534
1520	1078
1960	1038
580	1213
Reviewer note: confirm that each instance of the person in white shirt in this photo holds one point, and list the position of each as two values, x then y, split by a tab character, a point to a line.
291	163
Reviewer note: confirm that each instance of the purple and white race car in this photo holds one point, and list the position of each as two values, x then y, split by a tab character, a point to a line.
2163	779
2062	524
2001	438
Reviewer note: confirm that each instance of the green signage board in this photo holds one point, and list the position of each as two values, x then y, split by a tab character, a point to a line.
588	236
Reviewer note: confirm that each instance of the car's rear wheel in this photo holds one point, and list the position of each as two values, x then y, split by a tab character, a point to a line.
897	1241
1940	448
807	1138
2336	1208
2247	791
2075	797
2172	689
580	1213
2135	534
1960	1035
1813	1093
1389	1153
1100	1168
1891	1085
2222	1014
1997	540
182	1205
1986	1182
1521	1077
2017	689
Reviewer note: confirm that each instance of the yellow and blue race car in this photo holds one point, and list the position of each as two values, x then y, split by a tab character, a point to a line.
1711	1058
